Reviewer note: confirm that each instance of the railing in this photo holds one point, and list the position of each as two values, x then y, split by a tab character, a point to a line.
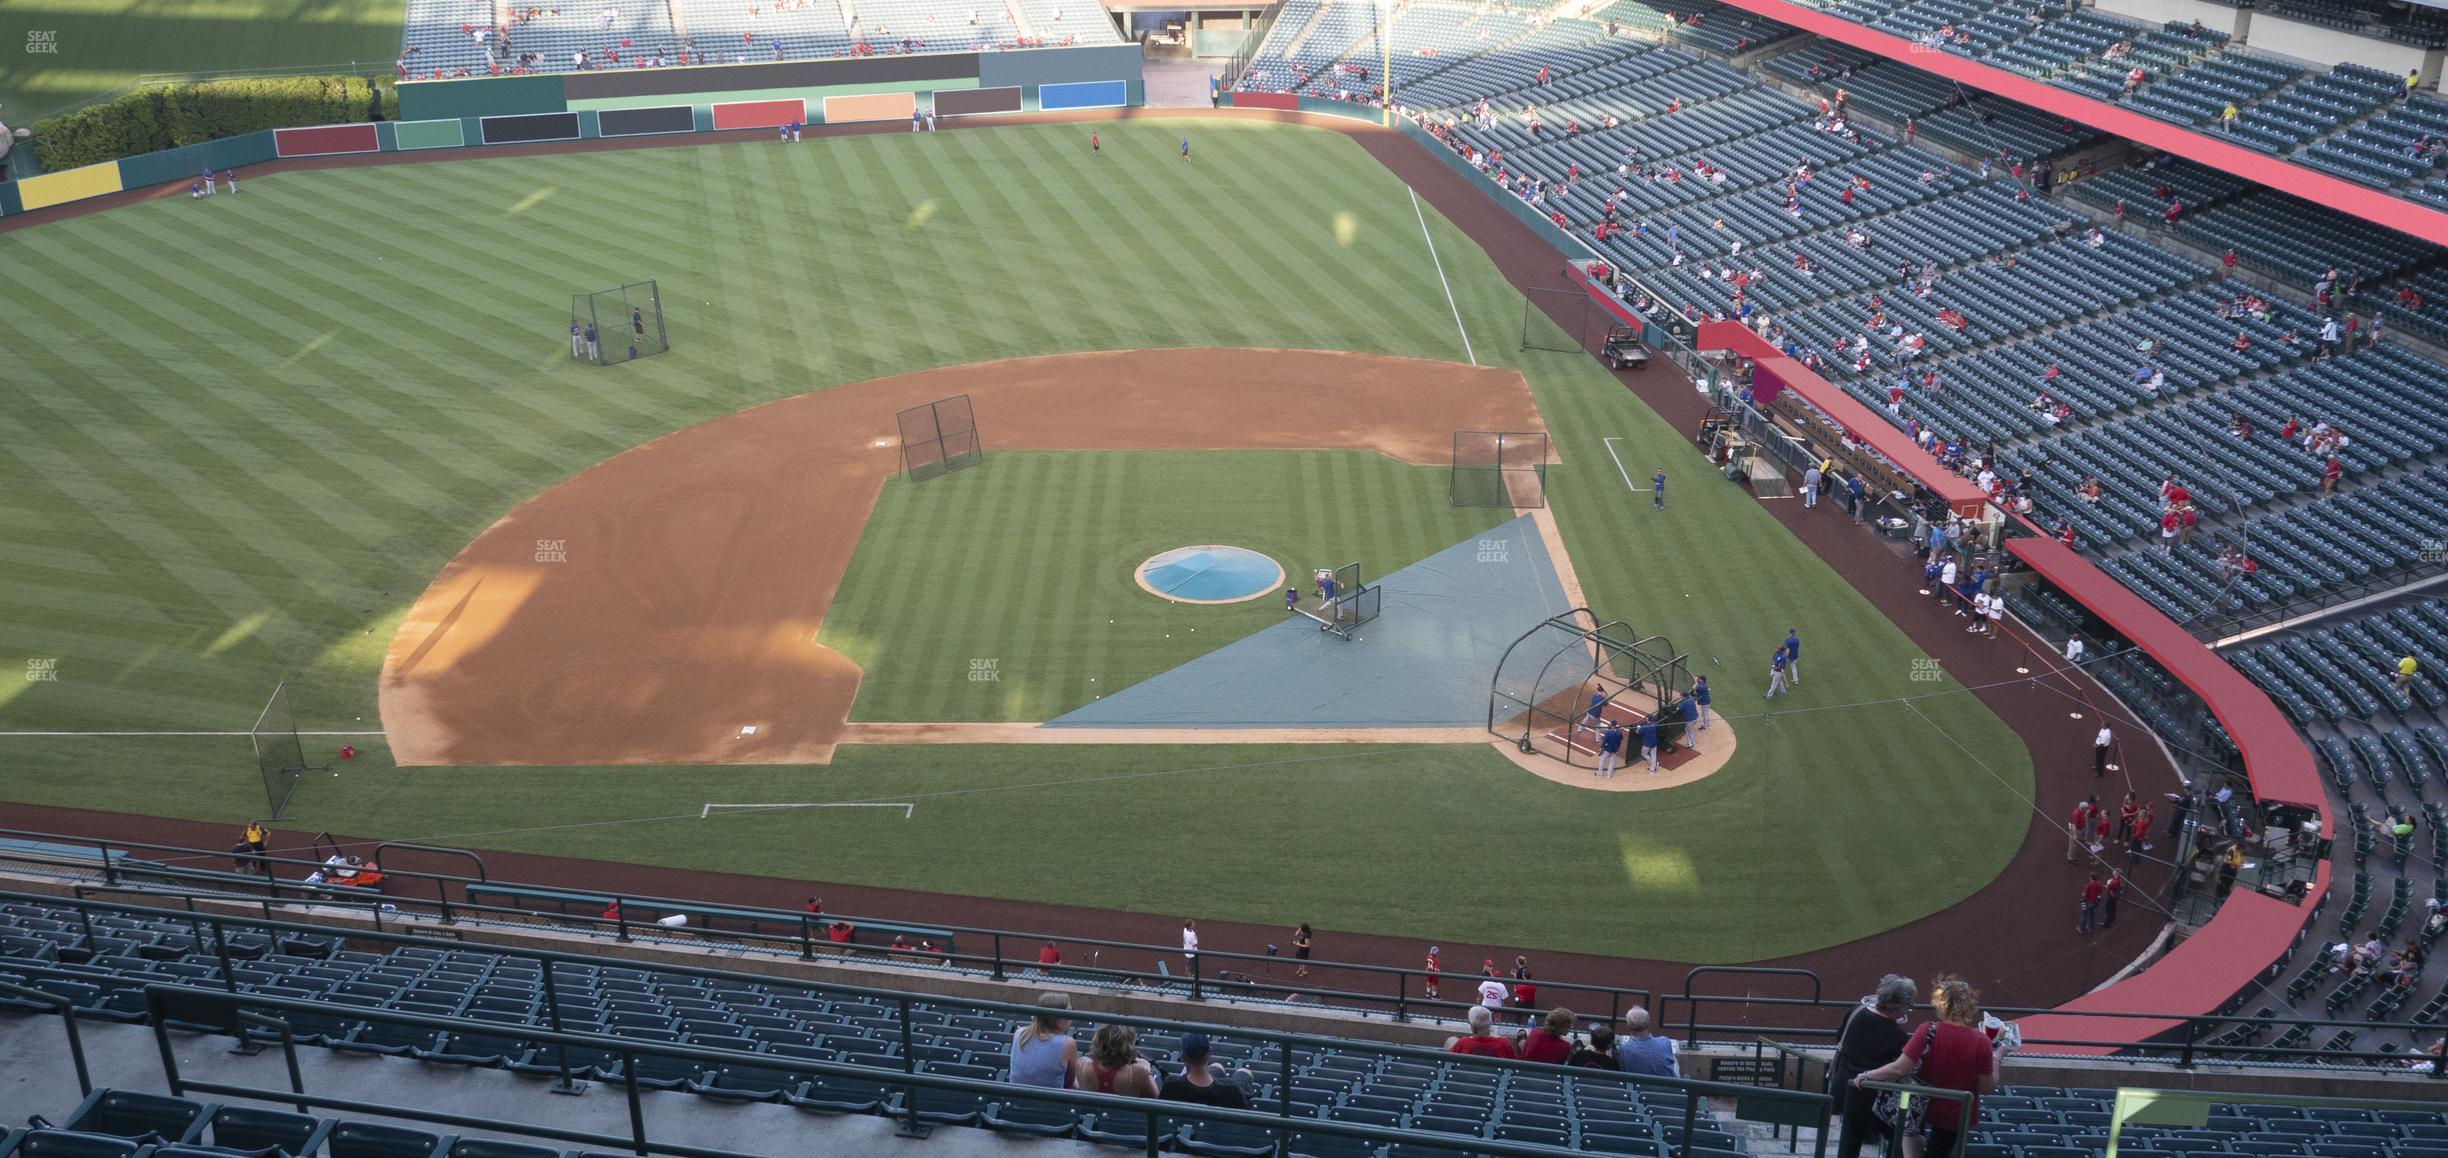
1261	27
2215	632
1397	991
244	1015
1689	1014
2186	1047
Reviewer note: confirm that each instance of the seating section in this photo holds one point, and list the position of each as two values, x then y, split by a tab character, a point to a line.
762	1021
441	38
453	38
2046	1122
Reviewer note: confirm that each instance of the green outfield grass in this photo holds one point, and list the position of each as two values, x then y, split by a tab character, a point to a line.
238	437
1030	564
101	47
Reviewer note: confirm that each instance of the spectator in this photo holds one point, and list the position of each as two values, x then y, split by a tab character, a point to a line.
2092	890
254	839
1042	1050
1950	1053
1550	1040
1872	1035
1492	992
1525	994
1113	1065
2111	891
1300	949
1481	1041
1599	1053
1637	1051
1047	954
1205	1082
1190	945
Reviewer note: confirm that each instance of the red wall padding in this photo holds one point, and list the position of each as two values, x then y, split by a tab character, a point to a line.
323	139
1265	100
759	114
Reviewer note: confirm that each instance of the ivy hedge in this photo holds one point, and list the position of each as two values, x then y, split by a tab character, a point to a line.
167	116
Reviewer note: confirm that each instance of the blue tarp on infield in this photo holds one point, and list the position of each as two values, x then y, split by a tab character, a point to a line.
1424	663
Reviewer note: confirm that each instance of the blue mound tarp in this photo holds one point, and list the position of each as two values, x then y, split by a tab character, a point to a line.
1424	663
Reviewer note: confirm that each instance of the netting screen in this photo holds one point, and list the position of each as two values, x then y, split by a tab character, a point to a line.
609	327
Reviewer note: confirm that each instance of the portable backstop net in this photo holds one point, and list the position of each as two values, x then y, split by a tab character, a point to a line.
280	757
1499	468
1540	697
1561	320
1353	603
939	438
609	327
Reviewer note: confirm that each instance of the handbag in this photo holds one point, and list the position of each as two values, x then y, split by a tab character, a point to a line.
1892	1108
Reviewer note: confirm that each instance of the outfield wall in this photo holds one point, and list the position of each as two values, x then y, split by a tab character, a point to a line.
521	110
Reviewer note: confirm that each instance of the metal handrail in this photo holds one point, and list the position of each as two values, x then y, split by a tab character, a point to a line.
550	958
166	1004
67	1011
1961	1098
1404	993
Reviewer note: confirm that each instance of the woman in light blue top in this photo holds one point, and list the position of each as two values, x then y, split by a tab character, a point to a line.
1042	1050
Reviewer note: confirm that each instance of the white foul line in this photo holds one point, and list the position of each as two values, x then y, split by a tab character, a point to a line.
908	811
1440	268
1619	466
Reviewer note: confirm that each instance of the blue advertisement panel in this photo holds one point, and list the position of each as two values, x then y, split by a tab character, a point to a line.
1092	94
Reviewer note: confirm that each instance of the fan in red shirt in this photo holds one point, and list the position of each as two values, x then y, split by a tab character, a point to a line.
1433	969
2331	472
1551	1040
1951	1054
2079	823
1049	955
1482	1040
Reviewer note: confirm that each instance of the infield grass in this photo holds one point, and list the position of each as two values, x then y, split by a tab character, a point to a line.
1030	564
238	437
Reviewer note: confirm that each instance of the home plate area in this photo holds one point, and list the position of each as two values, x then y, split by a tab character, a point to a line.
1582	735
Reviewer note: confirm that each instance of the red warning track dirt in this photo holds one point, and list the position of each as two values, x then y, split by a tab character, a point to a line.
662	607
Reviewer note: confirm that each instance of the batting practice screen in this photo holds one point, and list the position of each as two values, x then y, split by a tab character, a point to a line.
939	438
280	758
1499	468
609	327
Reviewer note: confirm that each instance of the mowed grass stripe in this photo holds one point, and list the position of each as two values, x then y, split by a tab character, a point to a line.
434	414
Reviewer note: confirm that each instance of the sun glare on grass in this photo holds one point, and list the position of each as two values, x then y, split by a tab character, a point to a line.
239	632
531	200
1659	868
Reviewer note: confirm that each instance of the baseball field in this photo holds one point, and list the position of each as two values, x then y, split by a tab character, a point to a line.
319	432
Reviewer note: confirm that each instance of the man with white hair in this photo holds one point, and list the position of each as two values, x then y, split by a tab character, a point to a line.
1482	1040
1637	1051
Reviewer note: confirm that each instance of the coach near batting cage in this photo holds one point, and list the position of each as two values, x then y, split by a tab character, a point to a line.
609	327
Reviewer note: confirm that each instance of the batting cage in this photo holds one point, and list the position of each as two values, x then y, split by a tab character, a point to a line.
1498	468
609	327
280	757
1540	698
939	438
1345	602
